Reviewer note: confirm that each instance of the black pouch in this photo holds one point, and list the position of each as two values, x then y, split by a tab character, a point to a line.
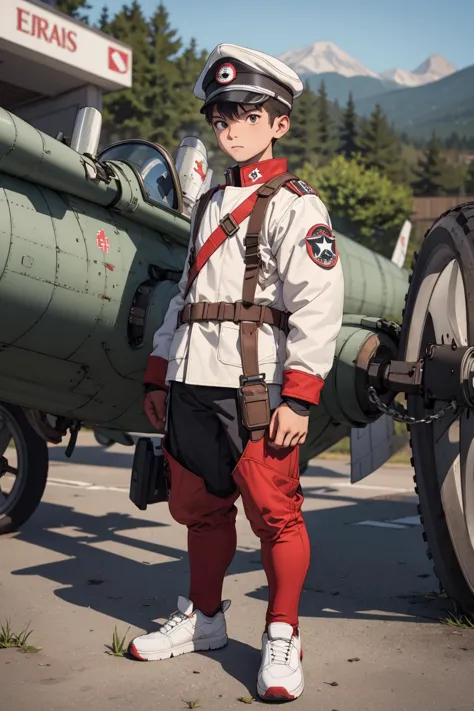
150	482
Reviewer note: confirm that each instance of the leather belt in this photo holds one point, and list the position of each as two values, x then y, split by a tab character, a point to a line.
236	312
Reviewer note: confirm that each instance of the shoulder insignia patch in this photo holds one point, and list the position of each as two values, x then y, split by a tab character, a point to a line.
321	246
300	187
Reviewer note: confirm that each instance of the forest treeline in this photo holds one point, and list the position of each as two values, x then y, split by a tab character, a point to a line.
365	171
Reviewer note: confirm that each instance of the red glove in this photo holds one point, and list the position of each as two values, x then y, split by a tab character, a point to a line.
154	405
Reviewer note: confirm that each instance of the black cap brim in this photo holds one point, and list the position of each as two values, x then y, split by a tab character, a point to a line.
237	97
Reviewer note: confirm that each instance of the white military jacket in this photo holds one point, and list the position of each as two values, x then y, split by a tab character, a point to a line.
300	273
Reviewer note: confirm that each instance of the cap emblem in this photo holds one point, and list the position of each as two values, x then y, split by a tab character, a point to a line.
226	73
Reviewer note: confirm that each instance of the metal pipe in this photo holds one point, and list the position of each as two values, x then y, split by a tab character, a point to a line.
87	129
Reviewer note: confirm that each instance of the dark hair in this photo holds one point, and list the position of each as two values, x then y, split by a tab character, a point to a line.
230	109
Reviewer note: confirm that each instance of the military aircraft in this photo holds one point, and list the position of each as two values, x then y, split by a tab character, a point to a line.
92	245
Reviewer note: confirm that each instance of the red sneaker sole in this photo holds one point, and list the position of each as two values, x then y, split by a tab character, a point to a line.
133	651
277	693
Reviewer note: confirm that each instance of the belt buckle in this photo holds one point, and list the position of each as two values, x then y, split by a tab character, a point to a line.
252	380
229	225
239	313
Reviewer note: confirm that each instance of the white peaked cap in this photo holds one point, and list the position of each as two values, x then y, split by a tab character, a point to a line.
246	76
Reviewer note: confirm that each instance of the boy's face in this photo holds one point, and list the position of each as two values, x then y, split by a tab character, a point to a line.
250	134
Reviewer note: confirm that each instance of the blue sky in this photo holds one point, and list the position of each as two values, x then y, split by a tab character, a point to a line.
379	33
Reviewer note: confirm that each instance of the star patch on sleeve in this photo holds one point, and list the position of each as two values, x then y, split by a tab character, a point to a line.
321	246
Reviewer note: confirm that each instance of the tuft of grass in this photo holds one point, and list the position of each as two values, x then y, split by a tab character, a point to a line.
119	647
192	704
8	638
463	621
22	638
246	699
29	649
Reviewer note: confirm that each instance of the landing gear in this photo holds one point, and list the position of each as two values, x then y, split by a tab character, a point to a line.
103	440
23	468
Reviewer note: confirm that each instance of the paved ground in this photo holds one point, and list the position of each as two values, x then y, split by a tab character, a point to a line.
89	560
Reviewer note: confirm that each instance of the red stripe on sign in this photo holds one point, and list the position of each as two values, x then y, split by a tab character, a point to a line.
218	237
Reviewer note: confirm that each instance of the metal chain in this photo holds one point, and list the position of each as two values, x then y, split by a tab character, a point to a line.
399	413
389	326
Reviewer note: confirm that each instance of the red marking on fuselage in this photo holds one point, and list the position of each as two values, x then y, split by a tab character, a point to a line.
199	170
102	241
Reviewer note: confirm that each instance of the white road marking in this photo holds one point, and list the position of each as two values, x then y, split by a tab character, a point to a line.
404	522
374	487
378	524
55	481
407	520
70	484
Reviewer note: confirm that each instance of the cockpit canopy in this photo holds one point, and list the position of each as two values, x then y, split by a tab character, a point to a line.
154	169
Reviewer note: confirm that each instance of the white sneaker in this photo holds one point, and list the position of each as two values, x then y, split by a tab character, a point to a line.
281	674
186	630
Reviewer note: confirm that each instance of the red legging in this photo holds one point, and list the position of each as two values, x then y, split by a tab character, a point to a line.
268	481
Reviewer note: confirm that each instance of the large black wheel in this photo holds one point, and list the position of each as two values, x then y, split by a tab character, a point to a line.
23	468
440	310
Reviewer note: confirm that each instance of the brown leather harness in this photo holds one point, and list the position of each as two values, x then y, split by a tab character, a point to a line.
253	391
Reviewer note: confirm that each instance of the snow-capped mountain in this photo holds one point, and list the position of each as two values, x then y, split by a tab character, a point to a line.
324	57
432	69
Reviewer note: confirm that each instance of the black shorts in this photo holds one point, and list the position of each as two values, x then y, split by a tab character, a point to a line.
205	433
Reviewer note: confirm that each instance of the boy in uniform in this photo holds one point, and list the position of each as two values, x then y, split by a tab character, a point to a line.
242	354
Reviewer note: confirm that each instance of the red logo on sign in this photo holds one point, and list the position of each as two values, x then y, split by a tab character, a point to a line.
118	61
102	241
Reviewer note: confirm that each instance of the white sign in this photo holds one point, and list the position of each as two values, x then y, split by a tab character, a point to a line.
100	60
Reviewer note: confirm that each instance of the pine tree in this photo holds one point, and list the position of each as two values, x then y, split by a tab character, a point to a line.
301	143
126	112
431	170
165	101
379	146
190	65
104	19
74	8
469	181
453	141
348	129
324	122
